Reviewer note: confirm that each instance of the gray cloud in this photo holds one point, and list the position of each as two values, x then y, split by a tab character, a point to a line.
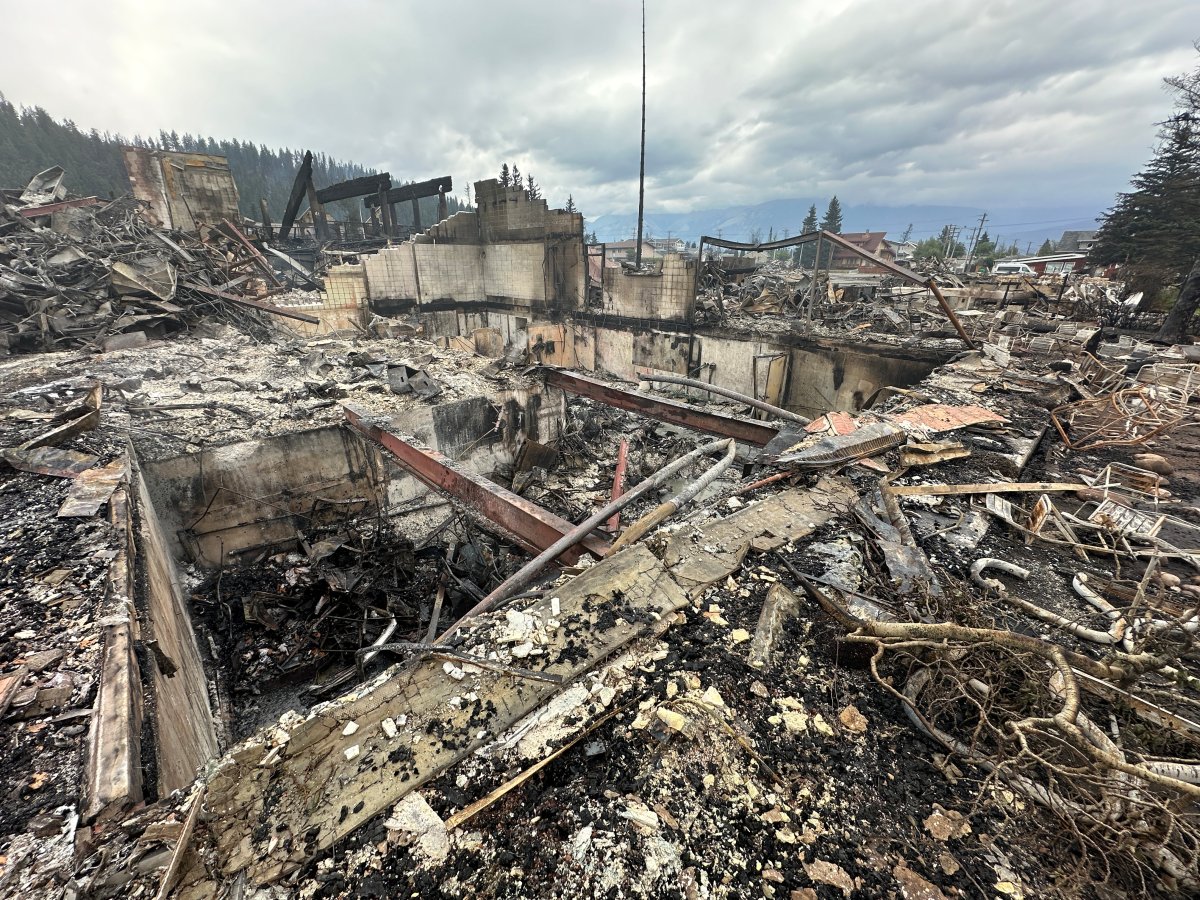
1001	103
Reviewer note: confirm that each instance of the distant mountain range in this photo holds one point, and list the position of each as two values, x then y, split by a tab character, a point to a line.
1027	226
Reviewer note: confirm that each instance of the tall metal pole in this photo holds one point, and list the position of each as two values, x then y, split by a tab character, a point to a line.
637	260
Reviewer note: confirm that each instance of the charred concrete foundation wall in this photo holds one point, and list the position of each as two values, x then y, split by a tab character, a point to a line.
805	376
223	503
185	734
825	379
219	504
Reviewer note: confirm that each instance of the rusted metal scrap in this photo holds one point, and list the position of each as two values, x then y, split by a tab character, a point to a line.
534	527
867	440
936	417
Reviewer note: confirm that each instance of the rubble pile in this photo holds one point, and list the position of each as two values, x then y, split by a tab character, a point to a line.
100	276
941	645
731	755
197	390
771	288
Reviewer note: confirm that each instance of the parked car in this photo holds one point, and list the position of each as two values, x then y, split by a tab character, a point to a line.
1012	268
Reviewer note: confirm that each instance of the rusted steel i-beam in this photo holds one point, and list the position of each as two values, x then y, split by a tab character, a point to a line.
619	483
535	527
749	431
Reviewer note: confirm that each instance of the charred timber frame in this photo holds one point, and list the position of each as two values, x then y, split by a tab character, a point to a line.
355	187
749	431
907	274
299	188
536	528
434	187
253	304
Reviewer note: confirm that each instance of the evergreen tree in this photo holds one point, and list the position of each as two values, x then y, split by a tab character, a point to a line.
505	177
570	207
805	254
907	234
532	189
518	180
833	217
810	221
1047	248
1151	230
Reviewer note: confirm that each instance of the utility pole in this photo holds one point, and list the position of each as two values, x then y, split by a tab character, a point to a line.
951	240
642	166
975	236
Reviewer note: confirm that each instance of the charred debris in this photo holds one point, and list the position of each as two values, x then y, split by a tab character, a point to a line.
497	601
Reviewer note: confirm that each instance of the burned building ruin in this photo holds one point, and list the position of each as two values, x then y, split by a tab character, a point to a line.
341	560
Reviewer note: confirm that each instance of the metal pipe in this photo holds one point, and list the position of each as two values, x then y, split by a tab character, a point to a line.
665	510
937	295
733	395
529	571
388	631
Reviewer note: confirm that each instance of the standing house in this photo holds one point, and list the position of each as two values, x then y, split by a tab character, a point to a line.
1076	241
870	241
627	249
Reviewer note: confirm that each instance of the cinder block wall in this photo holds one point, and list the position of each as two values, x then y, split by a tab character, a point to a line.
668	293
449	271
510	249
392	273
343	304
516	272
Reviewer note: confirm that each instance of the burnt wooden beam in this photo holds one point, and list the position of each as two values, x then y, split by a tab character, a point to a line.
253	304
299	188
387	213
266	219
355	187
415	191
317	208
228	228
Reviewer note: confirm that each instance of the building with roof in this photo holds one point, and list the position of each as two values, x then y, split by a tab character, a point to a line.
870	241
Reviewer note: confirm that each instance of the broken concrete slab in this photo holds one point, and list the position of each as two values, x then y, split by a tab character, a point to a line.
125	341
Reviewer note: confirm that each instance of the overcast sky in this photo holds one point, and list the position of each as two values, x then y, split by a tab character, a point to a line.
984	104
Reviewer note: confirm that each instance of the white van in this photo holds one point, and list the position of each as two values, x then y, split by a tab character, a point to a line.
1012	268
